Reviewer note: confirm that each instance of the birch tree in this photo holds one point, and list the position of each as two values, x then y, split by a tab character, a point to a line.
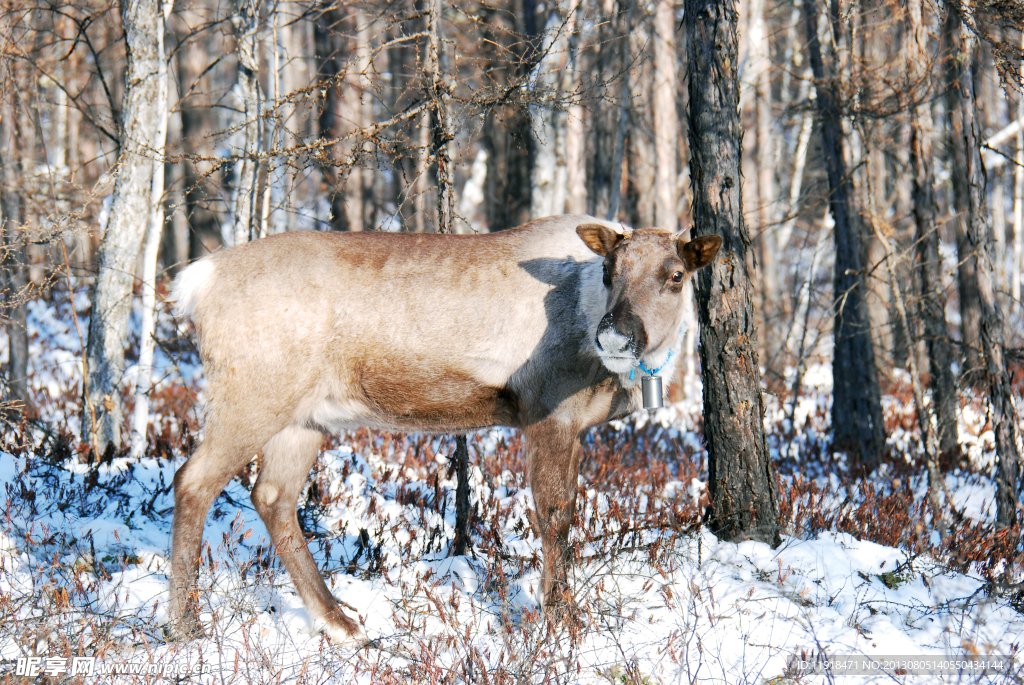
246	19
548	176
126	226
147	343
666	120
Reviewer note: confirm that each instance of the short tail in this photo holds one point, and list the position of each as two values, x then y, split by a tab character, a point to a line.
190	285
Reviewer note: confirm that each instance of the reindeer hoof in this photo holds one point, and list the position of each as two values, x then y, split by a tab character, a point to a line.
343	631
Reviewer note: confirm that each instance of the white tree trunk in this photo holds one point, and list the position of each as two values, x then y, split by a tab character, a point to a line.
666	120
144	369
796	184
119	248
274	188
759	65
246	20
358	113
548	177
575	160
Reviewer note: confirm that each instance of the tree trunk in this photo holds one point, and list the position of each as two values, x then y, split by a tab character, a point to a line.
506	130
740	477
977	274
461	541
759	63
933	306
246	20
575	160
968	186
666	119
12	258
548	176
640	184
622	121
147	344
15	280
857	423
358	113
441	137
441	133
1018	198
119	249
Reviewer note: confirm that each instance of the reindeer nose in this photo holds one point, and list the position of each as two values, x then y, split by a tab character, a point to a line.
610	338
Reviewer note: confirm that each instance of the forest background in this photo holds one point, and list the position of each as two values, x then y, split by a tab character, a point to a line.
879	223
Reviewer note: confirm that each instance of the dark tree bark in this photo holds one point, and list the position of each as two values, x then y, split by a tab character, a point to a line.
441	129
203	229
857	423
976	274
329	120
740	478
441	136
461	542
506	129
932	309
967	178
506	136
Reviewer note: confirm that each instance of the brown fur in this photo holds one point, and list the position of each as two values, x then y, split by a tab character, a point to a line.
305	333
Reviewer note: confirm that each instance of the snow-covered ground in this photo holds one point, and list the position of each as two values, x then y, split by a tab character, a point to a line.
83	557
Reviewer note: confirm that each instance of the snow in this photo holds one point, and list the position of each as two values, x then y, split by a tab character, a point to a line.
84	559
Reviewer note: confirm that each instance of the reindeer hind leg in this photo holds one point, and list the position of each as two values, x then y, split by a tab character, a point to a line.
287	459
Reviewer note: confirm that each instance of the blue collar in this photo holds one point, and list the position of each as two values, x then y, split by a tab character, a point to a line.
651	372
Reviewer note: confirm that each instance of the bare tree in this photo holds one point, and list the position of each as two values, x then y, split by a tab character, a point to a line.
1018	198
967	181
147	343
548	175
246	20
14	286
759	66
740	479
126	227
932	306
666	119
856	406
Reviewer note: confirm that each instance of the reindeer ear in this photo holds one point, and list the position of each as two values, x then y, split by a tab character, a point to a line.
599	238
699	252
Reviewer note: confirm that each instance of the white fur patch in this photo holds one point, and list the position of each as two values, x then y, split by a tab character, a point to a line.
190	285
615	352
338	415
593	301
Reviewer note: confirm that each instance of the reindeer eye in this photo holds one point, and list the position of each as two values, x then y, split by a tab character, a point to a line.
606	276
677	277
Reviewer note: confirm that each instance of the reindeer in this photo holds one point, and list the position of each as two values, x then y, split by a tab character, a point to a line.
541	328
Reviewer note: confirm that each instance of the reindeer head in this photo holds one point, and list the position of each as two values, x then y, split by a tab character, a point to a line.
644	275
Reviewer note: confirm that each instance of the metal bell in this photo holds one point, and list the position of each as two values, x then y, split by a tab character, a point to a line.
652	393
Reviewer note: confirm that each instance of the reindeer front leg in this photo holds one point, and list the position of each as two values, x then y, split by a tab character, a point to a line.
553	449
